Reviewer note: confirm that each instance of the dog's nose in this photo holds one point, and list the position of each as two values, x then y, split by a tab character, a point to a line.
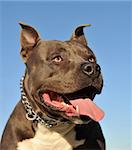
87	68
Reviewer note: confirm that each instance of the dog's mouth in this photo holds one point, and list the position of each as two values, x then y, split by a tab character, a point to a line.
72	104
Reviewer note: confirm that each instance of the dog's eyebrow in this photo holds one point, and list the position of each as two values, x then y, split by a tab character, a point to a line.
56	50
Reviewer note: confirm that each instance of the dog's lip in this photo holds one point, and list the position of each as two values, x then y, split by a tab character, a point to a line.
72	105
54	96
65	98
77	107
87	92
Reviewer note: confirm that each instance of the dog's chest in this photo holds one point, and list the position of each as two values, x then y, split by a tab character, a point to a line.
62	138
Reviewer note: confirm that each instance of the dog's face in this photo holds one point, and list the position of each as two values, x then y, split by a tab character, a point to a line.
58	72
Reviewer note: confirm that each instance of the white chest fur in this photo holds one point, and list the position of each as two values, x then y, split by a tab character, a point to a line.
59	138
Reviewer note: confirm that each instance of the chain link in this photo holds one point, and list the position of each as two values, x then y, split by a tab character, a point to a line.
30	113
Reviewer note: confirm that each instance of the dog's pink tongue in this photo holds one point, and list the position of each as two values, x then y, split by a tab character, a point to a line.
89	108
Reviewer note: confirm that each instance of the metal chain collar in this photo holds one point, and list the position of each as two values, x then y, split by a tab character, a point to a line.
31	114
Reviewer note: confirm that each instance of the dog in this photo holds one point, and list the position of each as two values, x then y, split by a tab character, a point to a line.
56	110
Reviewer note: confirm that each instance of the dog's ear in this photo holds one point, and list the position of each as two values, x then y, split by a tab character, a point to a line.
28	39
78	34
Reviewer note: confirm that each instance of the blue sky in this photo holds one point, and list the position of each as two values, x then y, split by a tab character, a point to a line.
109	38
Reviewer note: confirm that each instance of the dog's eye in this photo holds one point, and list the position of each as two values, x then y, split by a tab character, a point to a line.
91	60
57	59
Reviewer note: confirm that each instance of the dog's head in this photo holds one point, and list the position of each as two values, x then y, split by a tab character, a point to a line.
60	75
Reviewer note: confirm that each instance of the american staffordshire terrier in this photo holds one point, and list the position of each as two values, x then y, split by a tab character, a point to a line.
56	110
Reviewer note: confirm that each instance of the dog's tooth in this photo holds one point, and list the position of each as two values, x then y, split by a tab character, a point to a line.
67	105
63	103
77	109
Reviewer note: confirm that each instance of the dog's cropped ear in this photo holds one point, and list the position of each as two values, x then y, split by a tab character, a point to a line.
28	39
79	36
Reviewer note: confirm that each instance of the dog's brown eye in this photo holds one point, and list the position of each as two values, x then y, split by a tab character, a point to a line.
57	59
91	59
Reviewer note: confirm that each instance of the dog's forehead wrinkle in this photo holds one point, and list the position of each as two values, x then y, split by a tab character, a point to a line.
53	44
49	48
67	46
80	50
